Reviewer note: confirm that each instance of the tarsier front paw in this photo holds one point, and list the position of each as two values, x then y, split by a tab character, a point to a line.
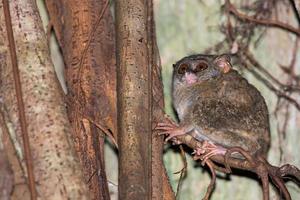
171	129
207	150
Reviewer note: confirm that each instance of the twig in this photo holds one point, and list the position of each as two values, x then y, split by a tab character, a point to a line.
279	93
289	170
212	183
182	171
293	4
103	129
20	103
257	65
290	69
100	126
282	131
270	23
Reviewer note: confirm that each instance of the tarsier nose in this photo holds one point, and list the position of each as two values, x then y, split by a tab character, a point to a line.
190	78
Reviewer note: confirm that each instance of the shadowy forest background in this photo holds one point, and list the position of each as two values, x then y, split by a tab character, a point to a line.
78	111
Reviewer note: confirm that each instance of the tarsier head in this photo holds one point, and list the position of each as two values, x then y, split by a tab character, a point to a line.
198	68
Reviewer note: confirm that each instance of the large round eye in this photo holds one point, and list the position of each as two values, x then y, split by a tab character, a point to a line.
201	66
182	68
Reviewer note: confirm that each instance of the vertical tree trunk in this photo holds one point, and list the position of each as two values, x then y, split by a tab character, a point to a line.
160	186
57	171
134	100
85	32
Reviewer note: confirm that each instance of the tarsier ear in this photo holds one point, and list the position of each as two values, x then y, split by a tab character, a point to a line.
223	62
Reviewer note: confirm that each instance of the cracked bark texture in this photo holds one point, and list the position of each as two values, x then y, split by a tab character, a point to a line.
85	33
57	171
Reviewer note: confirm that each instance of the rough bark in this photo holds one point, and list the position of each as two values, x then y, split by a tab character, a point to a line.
57	172
134	100
161	188
85	32
20	186
6	175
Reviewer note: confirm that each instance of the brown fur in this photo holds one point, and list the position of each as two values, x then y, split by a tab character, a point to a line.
224	109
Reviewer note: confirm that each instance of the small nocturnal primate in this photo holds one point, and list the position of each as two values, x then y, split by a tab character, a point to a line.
216	105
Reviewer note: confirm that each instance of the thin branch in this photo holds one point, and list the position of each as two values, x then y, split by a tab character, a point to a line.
290	69
20	103
257	65
293	4
289	170
212	183
182	171
98	125
280	184
102	128
279	93
269	22
252	163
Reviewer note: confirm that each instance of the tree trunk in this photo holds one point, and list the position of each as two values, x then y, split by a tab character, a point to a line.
139	100
85	32
57	171
160	186
134	100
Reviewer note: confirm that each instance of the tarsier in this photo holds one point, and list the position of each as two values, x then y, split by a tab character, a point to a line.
216	105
